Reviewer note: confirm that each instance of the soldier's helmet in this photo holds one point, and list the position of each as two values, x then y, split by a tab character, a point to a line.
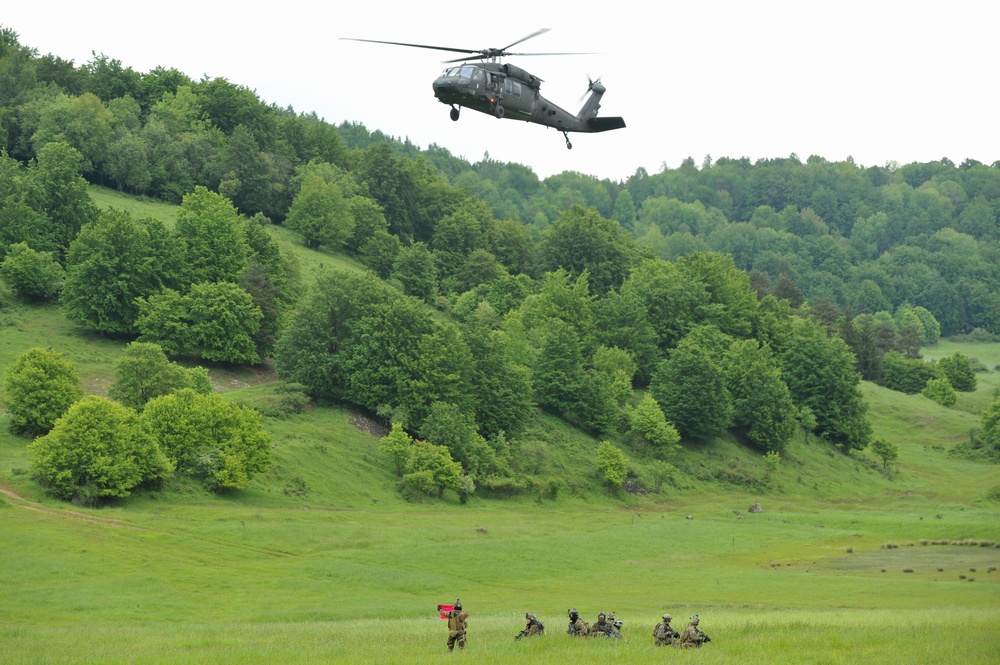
611	616
618	624
667	617
573	614
601	614
694	619
529	616
458	604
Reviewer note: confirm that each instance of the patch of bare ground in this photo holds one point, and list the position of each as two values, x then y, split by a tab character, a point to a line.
367	424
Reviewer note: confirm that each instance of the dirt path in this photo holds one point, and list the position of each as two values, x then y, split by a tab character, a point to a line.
18	501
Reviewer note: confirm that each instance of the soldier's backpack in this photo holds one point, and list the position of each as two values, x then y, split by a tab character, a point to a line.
541	626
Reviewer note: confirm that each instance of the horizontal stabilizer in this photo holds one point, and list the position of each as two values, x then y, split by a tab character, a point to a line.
605	124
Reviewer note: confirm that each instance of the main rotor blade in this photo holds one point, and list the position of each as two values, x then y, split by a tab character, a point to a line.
435	48
524	39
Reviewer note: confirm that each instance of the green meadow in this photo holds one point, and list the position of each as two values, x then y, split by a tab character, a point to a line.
322	561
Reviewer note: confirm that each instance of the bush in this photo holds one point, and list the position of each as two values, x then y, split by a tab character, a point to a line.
40	386
940	391
98	449
33	275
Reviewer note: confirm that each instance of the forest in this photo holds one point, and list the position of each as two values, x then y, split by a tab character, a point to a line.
715	298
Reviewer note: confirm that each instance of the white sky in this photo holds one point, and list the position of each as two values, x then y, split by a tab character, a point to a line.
880	81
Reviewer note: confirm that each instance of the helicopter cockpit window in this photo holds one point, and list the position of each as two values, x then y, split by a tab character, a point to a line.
469	72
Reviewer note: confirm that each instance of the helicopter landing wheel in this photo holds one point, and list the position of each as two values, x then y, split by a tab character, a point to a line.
454	113
498	111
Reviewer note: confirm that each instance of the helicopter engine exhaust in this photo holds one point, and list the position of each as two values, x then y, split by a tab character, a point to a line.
524	77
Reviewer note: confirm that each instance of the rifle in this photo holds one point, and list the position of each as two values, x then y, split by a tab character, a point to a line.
704	638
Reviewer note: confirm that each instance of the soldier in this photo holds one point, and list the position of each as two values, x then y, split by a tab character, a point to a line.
457	620
692	636
532	627
601	627
664	634
577	626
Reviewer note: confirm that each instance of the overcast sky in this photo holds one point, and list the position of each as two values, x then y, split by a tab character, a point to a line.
879	81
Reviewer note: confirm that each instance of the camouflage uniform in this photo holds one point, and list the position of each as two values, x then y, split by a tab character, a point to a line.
457	620
664	634
692	636
577	626
532	627
601	626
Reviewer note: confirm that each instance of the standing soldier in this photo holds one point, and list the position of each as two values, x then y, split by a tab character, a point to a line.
664	634
577	626
532	627
692	636
457	620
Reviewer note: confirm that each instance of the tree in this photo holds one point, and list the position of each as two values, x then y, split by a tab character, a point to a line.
414	268
112	262
583	241
379	252
216	321
820	374
398	445
40	386
647	423
320	214
215	243
612	465
143	373
885	451
33	275
98	449
690	387
763	411
56	188
940	391
959	371
431	468
224	444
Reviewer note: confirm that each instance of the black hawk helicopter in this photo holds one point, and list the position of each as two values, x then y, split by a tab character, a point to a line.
484	84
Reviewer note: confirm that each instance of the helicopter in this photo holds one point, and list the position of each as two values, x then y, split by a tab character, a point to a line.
483	83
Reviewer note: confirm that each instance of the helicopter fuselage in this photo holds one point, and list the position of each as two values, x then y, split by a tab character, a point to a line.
506	91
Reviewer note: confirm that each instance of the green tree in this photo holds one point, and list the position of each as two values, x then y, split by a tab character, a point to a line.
612	465
820	374
40	386
380	252
581	241
83	122
56	189
398	445
690	387
216	248
885	451
649	426
431	468
143	373
215	321
763	411
321	214
32	275
940	391
113	261
414	268
959	371
223	444
369	219
97	449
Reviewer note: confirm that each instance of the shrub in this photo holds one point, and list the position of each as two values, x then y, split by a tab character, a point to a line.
33	275
40	386
98	449
940	391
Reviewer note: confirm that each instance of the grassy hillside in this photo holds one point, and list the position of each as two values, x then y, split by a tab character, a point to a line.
320	560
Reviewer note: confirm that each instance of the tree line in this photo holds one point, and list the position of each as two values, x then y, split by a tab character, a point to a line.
748	299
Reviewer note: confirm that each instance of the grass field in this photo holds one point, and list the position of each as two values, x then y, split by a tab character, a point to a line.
321	561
